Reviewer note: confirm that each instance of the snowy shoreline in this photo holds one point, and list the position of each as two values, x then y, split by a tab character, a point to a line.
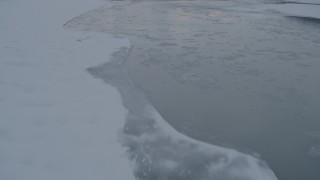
57	121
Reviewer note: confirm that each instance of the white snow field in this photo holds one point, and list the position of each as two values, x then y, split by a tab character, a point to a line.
56	120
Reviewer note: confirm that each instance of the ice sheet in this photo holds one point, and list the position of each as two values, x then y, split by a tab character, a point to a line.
59	123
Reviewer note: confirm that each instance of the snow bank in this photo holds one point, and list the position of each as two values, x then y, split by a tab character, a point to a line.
56	120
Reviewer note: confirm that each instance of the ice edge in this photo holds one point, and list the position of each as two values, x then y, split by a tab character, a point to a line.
158	150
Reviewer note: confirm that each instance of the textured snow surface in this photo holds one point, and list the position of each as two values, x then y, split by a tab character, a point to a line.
56	120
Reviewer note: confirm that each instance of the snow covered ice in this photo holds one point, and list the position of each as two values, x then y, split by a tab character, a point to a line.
69	109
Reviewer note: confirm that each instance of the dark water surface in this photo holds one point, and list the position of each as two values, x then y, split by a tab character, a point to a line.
243	80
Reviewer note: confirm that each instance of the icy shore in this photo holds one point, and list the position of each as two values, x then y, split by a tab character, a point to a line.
56	120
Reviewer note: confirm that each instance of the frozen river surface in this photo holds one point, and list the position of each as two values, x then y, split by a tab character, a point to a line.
219	73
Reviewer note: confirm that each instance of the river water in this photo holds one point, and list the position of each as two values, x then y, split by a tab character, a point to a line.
242	80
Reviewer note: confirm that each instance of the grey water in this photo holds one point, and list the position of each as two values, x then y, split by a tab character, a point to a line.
244	80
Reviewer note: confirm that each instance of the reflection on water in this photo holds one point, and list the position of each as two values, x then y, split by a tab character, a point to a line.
245	80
